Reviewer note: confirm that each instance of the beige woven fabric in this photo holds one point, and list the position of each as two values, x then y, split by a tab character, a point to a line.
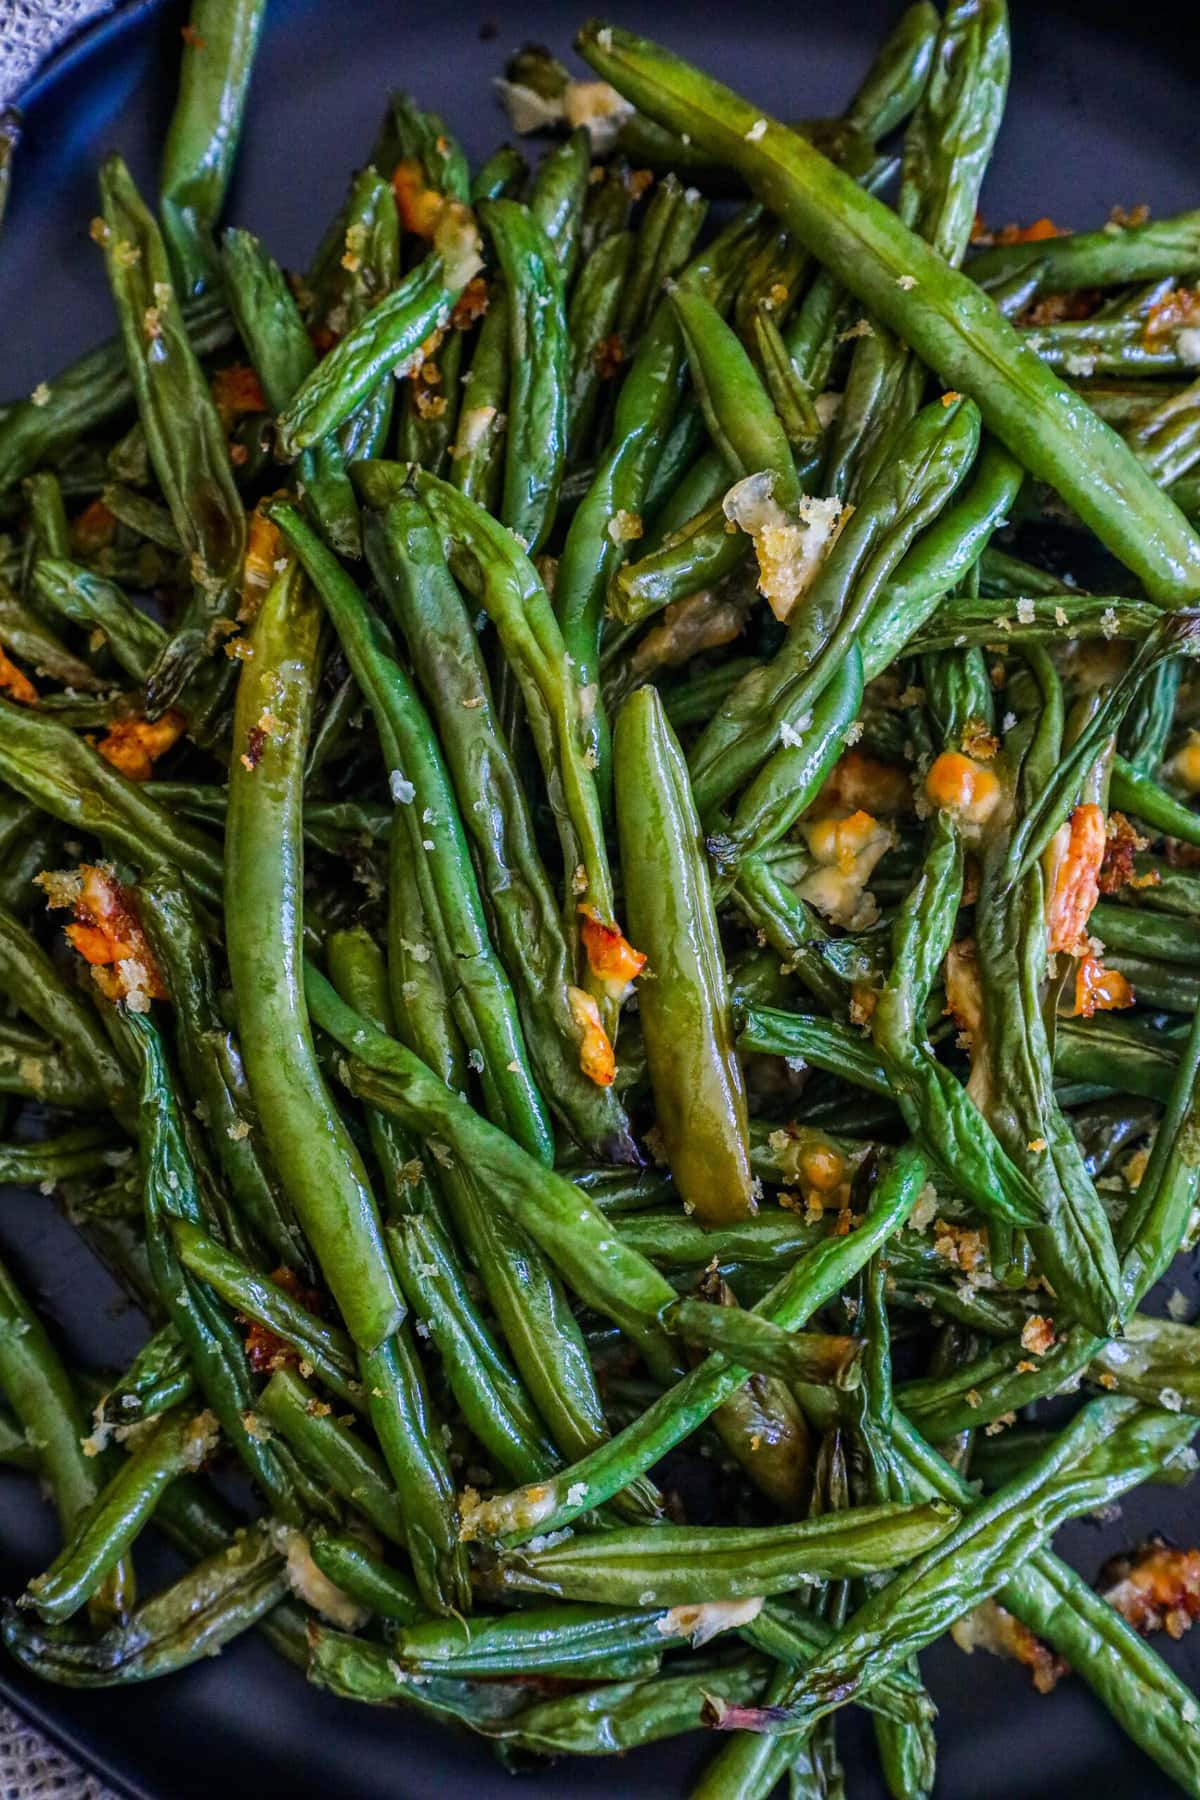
32	1769
28	29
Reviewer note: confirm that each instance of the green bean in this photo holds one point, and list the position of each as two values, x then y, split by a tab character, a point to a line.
1154	935
999	1381
337	1457
158	1378
146	518
183	433
326	1347
520	1283
476	465
583	1643
1138	794
434	841
46	530
966	620
524	1292
34	985
894	82
89	1150
592	1722
1155	1357
214	74
318	1164
535	445
1088	347
1177	633
1156	1221
270	326
226	1594
368	1581
770	1235
1105	258
410	1436
53	767
698	1088
790	393
101	1536
591	318
700	553
556	1215
210	1060
812	1278
824	1042
387	337
89	394
756	1344
503	174
16	1452
664	239
646	404
36	1385
946	149
1055	1603
30	1066
793	775
671	1565
1118	1053
930	461
1107	1449
30	638
406	559
493	1402
949	322
749	438
358	264
740	418
789	925
624	1714
172	1189
98	604
938	1110
496	571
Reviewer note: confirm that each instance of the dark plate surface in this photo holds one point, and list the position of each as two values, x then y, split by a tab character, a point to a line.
1103	110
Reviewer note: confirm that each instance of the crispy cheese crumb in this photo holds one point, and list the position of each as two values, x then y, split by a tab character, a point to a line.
596	1057
106	933
790	549
703	1620
992	1628
624	527
611	957
1037	1334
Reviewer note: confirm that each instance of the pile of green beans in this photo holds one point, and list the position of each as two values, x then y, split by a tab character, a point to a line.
619	897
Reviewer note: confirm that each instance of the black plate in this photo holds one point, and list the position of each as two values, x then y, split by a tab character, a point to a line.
1103	111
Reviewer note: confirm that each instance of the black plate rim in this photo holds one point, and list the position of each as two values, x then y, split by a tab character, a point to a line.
32	1703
